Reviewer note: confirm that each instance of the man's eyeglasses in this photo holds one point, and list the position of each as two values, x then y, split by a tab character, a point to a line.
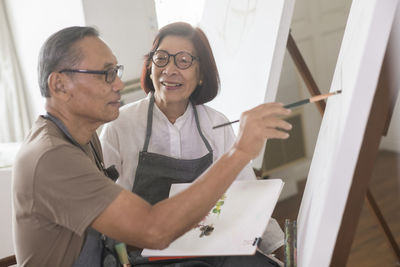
183	60
111	74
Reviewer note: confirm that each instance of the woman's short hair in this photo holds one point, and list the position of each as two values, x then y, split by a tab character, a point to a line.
59	52
208	68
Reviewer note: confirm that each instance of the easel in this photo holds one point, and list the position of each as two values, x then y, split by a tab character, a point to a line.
8	261
383	106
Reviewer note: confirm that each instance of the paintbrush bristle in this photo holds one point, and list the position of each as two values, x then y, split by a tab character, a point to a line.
338	92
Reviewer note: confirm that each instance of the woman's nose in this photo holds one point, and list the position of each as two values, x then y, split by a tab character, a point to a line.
170	68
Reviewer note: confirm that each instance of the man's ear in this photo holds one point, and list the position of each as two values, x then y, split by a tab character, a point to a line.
56	82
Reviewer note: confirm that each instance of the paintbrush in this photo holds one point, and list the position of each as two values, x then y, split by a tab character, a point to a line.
292	105
122	254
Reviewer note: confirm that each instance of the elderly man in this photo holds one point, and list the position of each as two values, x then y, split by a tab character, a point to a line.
59	182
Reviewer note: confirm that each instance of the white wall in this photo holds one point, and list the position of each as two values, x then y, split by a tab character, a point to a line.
392	140
127	26
30	31
6	244
171	11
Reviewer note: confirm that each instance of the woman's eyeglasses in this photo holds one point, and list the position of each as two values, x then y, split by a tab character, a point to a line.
111	74
182	60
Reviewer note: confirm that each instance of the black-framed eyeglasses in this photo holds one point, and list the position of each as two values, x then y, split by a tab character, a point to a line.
111	74
183	60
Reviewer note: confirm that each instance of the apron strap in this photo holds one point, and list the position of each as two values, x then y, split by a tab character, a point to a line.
150	125
196	117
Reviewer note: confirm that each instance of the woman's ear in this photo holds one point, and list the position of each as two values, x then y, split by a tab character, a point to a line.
201	79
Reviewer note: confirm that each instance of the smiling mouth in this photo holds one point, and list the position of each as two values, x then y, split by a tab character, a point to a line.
169	84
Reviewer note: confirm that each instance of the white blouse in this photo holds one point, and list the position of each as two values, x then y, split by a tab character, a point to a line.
123	138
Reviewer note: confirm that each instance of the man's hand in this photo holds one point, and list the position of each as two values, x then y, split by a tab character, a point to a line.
259	124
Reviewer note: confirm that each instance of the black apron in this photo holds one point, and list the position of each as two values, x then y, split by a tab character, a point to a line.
154	175
155	172
91	253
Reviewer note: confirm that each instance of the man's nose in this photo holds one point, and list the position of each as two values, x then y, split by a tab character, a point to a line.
118	84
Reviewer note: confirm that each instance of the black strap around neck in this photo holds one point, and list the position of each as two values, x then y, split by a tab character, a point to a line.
110	172
64	129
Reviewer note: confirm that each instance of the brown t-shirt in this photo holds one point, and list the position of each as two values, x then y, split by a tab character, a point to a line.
57	193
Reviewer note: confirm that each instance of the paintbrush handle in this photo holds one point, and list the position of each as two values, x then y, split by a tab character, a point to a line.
225	124
292	105
298	103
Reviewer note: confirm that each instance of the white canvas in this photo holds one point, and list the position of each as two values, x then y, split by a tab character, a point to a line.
244	215
342	129
248	39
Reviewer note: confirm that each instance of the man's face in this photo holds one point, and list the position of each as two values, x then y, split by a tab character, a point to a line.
91	97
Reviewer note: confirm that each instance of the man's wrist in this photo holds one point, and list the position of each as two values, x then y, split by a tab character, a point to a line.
239	156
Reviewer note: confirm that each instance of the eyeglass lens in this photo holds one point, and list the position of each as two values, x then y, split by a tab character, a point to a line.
113	73
183	60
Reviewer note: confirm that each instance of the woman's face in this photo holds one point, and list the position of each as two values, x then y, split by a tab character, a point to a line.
174	85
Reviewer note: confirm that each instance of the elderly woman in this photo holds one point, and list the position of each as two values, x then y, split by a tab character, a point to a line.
168	137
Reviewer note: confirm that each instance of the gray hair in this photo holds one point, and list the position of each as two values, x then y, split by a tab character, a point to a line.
59	52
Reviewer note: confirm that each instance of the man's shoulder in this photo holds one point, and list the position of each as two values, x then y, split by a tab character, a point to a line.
42	143
44	137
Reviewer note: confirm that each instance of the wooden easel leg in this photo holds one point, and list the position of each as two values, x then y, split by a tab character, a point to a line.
381	221
314	90
8	261
304	72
